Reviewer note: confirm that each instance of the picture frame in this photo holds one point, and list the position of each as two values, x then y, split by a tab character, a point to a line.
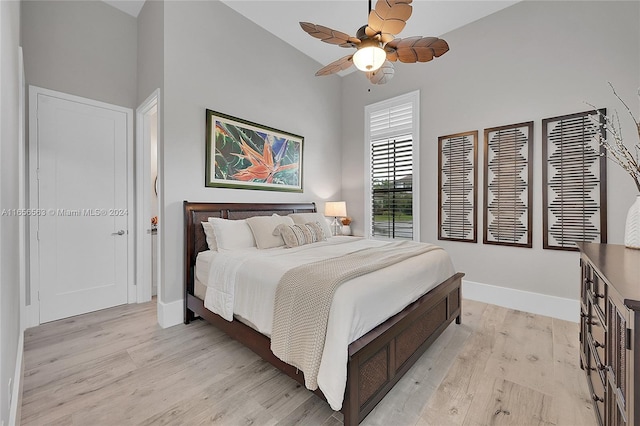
241	154
574	180
458	187
508	185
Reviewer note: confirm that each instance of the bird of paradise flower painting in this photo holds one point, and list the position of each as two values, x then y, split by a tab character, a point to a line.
241	154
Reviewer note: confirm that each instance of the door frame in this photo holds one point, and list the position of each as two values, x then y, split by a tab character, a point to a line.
22	189
34	257
143	200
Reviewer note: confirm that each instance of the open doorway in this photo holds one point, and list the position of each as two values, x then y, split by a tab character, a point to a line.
148	220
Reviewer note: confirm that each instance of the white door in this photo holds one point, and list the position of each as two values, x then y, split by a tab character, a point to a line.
82	218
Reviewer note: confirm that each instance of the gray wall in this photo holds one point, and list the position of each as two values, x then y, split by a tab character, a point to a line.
217	59
9	199
84	48
150	49
530	61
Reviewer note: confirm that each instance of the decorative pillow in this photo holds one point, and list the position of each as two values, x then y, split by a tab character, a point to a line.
302	218
262	228
232	234
317	232
211	236
299	235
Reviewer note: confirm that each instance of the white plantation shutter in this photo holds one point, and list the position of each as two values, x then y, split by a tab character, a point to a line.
391	138
389	122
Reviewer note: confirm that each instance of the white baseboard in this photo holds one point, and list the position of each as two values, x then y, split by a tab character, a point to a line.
16	391
535	303
170	314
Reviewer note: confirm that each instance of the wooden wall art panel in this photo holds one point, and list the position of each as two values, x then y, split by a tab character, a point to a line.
458	190
574	180
508	174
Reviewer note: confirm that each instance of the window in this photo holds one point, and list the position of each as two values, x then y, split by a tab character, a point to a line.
391	137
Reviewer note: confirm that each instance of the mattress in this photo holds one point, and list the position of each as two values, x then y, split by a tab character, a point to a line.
252	276
199	289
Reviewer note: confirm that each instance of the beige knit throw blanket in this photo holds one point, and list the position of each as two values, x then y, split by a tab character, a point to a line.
304	295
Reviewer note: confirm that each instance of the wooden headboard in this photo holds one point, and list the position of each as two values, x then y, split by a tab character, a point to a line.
195	213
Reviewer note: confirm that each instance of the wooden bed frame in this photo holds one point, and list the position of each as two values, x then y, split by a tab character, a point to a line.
377	360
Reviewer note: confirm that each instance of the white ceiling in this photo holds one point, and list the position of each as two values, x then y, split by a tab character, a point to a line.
282	17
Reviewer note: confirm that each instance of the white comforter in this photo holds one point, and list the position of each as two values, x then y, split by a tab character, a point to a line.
243	283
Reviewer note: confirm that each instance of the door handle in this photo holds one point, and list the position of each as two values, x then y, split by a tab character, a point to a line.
120	232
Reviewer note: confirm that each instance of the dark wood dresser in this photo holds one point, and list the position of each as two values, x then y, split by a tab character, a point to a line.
610	330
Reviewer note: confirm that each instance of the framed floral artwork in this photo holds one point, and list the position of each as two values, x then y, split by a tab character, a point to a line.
245	155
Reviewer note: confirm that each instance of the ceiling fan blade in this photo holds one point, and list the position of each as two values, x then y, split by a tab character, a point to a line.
382	75
388	17
416	49
386	38
392	53
329	36
336	66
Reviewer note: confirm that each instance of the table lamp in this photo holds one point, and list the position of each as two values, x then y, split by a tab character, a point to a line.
335	209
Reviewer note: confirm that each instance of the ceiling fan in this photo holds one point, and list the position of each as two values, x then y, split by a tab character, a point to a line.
376	44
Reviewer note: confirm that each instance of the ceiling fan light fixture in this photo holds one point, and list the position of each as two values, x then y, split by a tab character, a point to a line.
369	57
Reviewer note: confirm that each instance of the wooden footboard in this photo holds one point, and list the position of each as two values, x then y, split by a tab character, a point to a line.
376	361
381	357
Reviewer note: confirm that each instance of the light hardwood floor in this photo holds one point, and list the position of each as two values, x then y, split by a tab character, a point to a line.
118	367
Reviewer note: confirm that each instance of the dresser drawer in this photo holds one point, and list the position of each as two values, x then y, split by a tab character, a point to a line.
598	338
598	293
584	340
585	283
596	386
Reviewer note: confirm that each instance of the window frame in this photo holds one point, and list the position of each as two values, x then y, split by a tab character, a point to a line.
413	98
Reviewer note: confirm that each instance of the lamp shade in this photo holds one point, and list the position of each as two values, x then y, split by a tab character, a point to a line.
369	57
335	208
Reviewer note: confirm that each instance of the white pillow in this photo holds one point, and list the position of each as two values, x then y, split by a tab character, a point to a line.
302	218
211	235
232	234
262	228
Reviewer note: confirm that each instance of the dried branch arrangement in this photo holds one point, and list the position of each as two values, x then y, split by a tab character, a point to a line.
625	157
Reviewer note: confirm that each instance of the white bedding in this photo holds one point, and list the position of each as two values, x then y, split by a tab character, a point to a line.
243	283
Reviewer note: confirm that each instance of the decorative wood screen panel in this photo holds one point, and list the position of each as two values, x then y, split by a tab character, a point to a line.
508	173
574	180
458	190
